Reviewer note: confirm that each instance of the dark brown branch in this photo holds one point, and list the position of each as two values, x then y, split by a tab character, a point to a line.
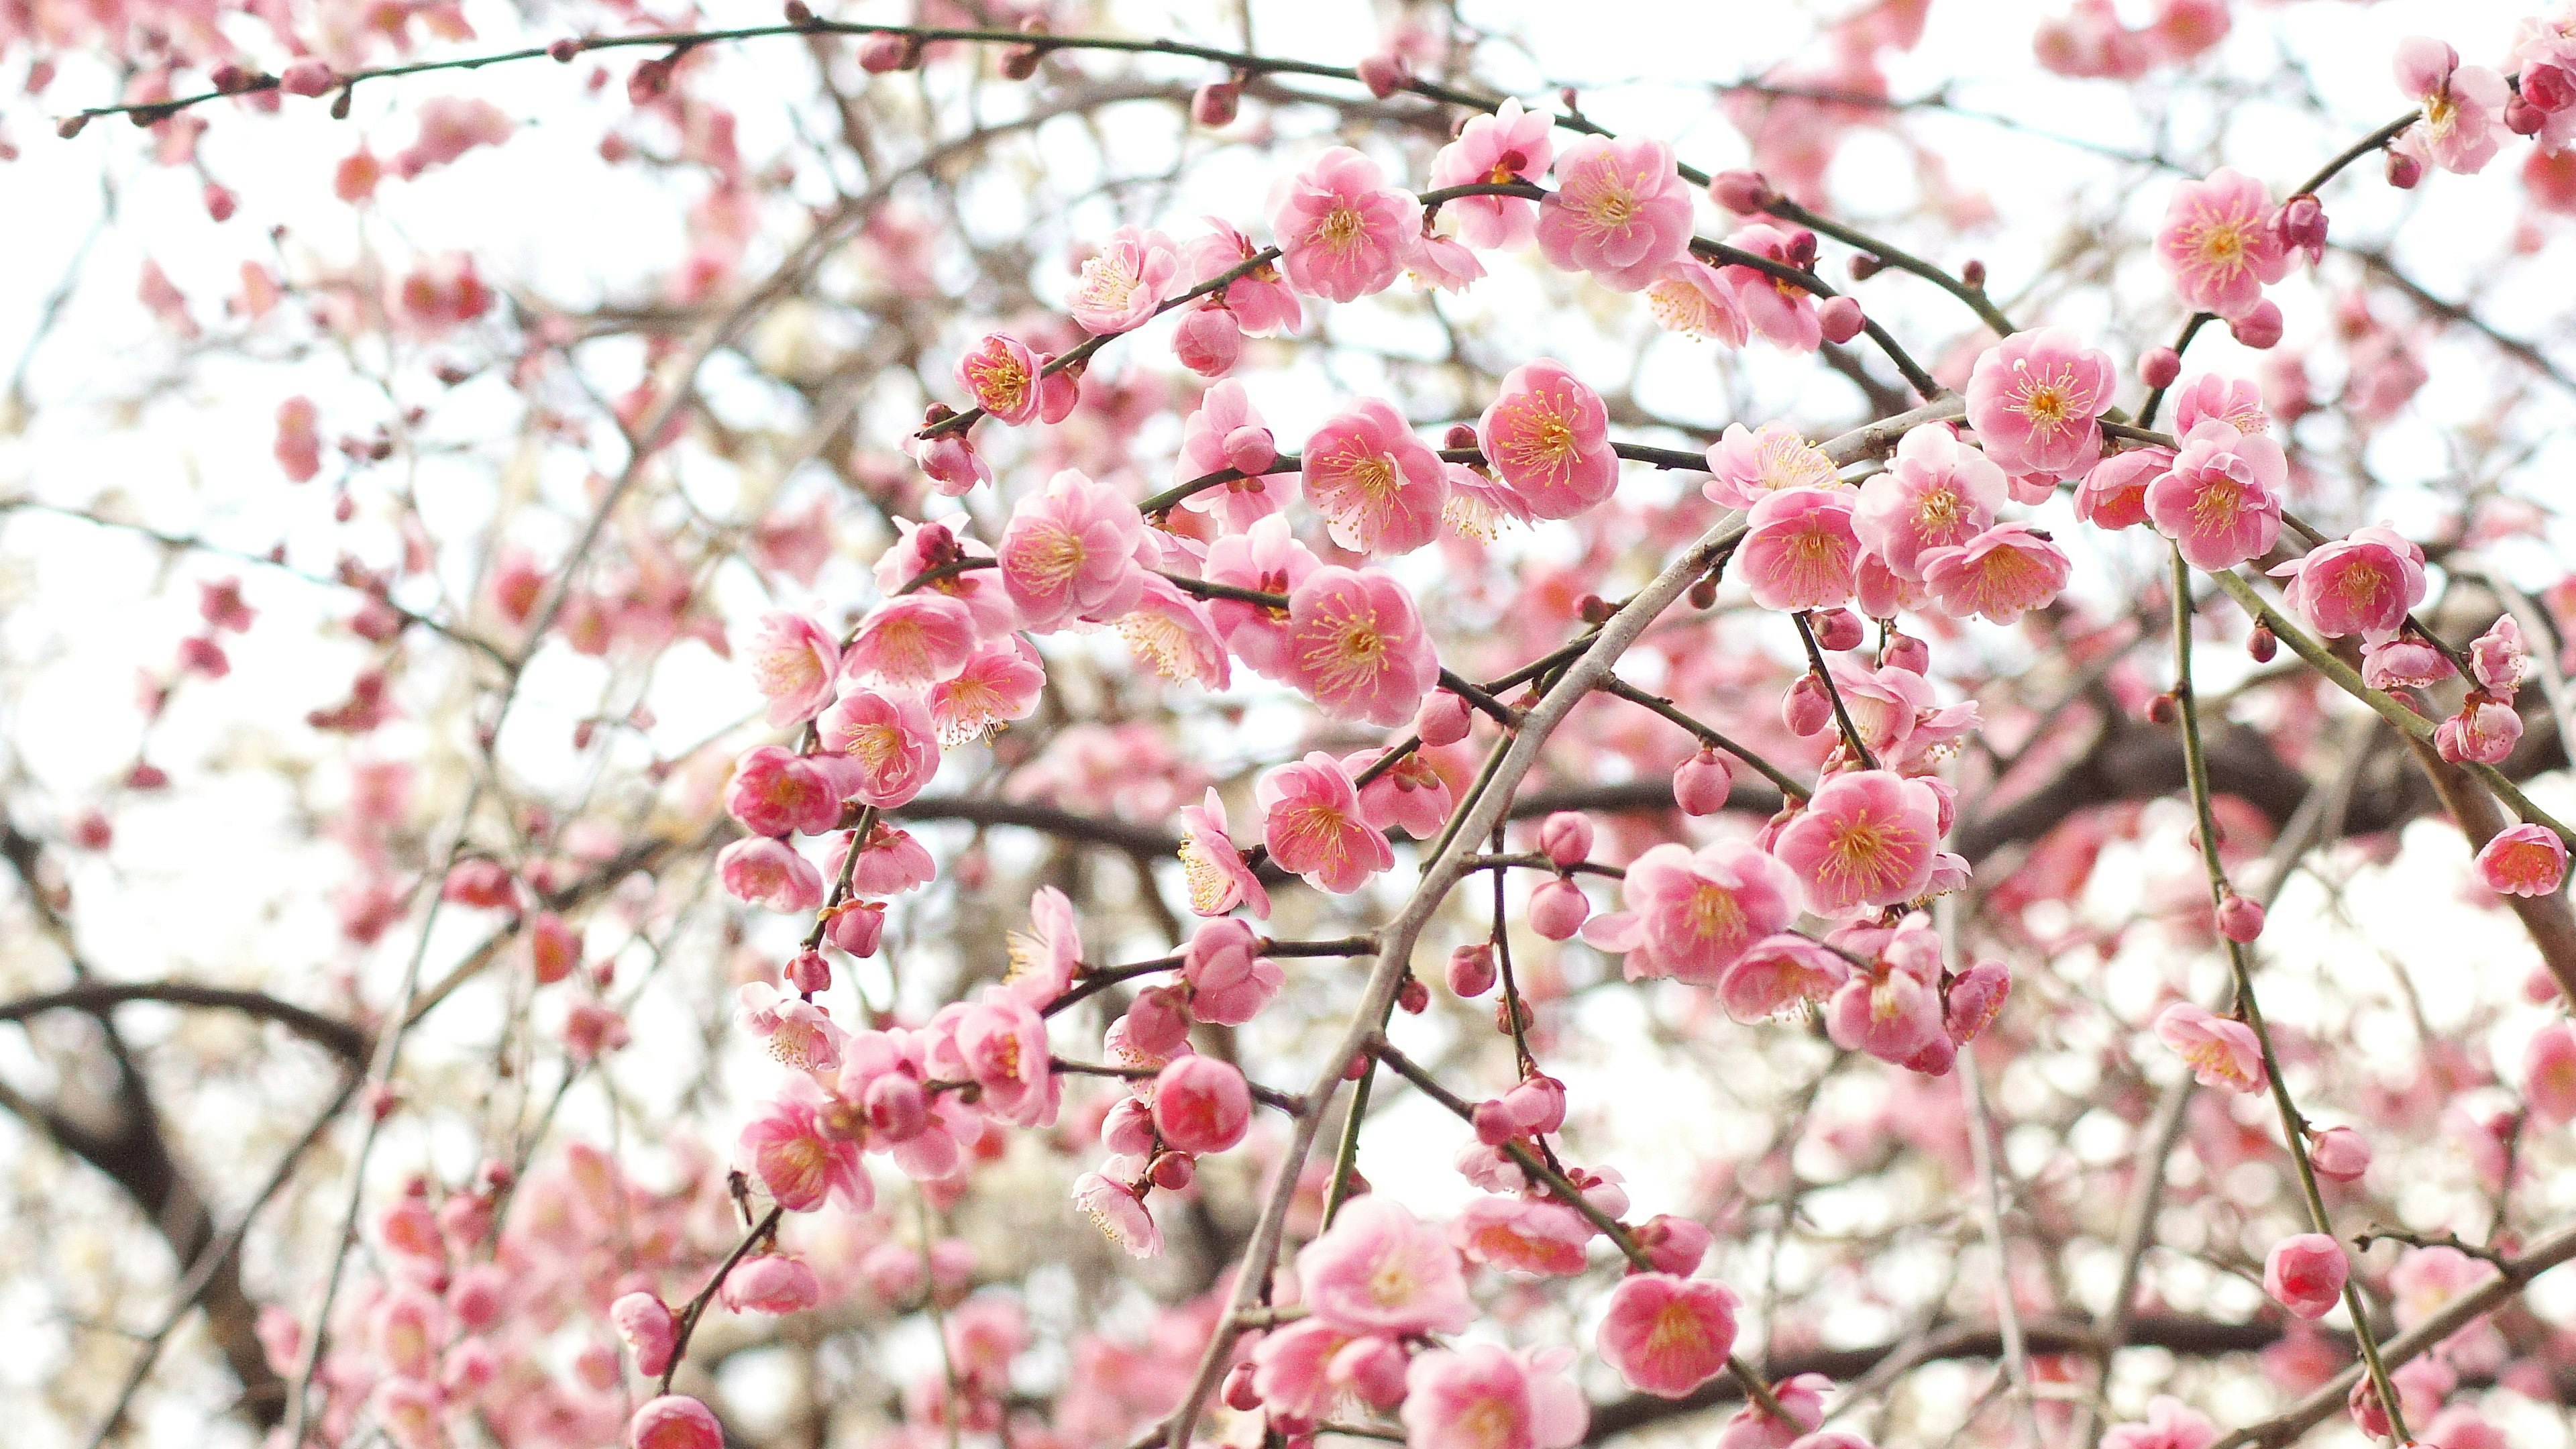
338	1037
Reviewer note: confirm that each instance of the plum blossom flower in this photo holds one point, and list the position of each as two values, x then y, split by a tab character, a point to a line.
1999	575
1120	1215
1355	644
770	874
1218	878
1342	230
2219	243
2036	401
1522	1235
2483	732
910	642
1260	301
1379	487
1891	1008
1266	558
801	1155
775	792
1380	1269
2404	662
2361	584
889	741
1485	1397
1000	683
777	1283
1172	631
2231	400
1042	959
1748	465
1691	914
674	1421
1782	311
1867	838
2463	104
1071	553
1229	980
1001	374
1001	1042
1547	436
648	1328
1311	820
1668	1335
1224	433
2523	860
1799	551
1694	299
1936	493
1779	972
2549	1075
1411	795
1509	145
2221	501
2171	1424
2114	493
797	1033
793	663
2220	1052
1125	281
950	460
2499	658
2305	1274
1201	1105
1619	211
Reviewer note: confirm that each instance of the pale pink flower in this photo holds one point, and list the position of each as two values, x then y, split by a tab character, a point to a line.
1201	1105
1342	230
2523	860
1668	1335
1777	973
1750	464
1484	1397
1266	558
1999	575
951	461
776	792
1782	311
1694	299
1891	1009
1691	914
922	548
2171	1424
1547	436
1379	1269
2221	501
910	642
775	1283
769	873
1001	374
1522	1235
1411	795
648	1328
2404	662
1001	1041
2549	1075
1119	1214
2484	732
1300	1370
793	662
1379	487
796	1033
1214	868
1125	281
2036	400
2220	1052
1311	820
2339	1153
1510	145
1438	264
1355	644
2219	243
889	741
1229	980
1000	683
2463	104
1071	553
2361	584
1799	551
1620	211
1936	493
1040	962
1226	432
1172	631
674	1421
410	1411
1867	838
2114	493
2305	1274
1259	300
2498	658
803	1150
2231	400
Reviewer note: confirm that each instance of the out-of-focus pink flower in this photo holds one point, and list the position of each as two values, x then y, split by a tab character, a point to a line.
769	873
1547	436
1522	1235
1747	465
1070	552
1125	281
1509	145
1999	575
2361	584
450	126
1201	1105
1312	823
888	740
1667	1335
1379	1269
2549	1075
1355	645
2463	104
2339	1154
2219	243
1001	374
1213	866
1690	914
2305	1274
2220	1052
1799	550
776	1283
1042	959
1484	1397
1867	838
648	1328
1620	211
2523	860
2036	401
1342	230
674	1421
1379	487
2171	1424
2221	501
793	663
1936	493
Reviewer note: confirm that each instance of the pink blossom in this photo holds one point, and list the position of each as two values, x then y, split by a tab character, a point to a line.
1484	1397
1411	795
2403	663
1891	1009
2220	1052
1000	682
2221	501
1547	436
770	874
910	642
1799	551
793	663
1782	311
2484	732
1509	145
1749	465
1312	823
771	1283
1119	1214
1342	230
1522	1235
1173	632
1667	1335
2463	104
2218	242
648	1328
1867	838
1620	211
674	1421
450	126
2498	658
1438	264
2036	400
1355	644
1379	487
1071	553
1691	914
1936	493
2171	1424
2523	860
1229	980
2361	584
1777	973
1259	300
1001	1041
1125	281
1042	960
1266	558
2339	1154
776	792
1214	868
2114	493
1379	1269
798	1154
1001	374
1999	575
1696	300
2231	400
1802	1397
2305	1274
922	549
1226	433
1201	1105
2549	1075
888	739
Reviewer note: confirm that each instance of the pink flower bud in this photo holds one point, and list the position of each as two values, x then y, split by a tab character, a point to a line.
554	948
1537	1105
2523	118
2240	918
858	926
898	1107
1159	1023
2259	328
2159	366
1802	249
1840	319
1558	909
2483	732
1174	1171
1493	1124
220	202
2339	1153
1471	970
1674	1245
771	1283
809	973
1743	192
1807	709
2305	1274
1201	1105
1838	630
1565	838
674	1421
1413	998
1384	75
305	77
879	54
1238	1393
1443	718
1702	784
1216	103
2301	225
646	1324
1908	653
2404	173
1209	341
2368	1415
1127	1128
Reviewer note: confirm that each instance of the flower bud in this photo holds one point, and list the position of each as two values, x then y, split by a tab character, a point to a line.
1565	838
1209	341
1174	1171
1807	709
674	1421
2259	328
858	926
1973	275
2523	118
1158	1024
1743	192
1201	1104
898	1107
1413	997
2240	918
1557	909
879	54
306	77
1802	249
1493	1124
2164	709
1443	718
1216	103
1703	783
2301	225
1841	319
1674	1245
1864	266
1127	1128
1906	652
1838	629
1537	1105
809	973
2263	644
2339	1153
2404	171
1384	75
2305	1274
1471	970
2159	366
1021	61
1239	1394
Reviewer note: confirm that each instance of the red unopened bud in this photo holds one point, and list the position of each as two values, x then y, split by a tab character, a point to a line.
381	1101
809	973
230	79
2164	709
340	112
1357	1068
2404	171
2259	328
649	81
1173	1171
1510	1013
1864	266
1413	996
1239	1394
2301	225
1807	709
1493	1123
1460	435
879	54
1558	909
1384	75
1593	609
310	77
1703	595
1802	249
220	202
2523	118
798	13
2262	644
2240	919
1743	192
1973	275
70	126
1471	970
1021	61
1216	103
2159	366
1443	719
1209	341
1838	629
1840	319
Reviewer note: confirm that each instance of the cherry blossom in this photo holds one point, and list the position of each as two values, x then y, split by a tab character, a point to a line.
1342	230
